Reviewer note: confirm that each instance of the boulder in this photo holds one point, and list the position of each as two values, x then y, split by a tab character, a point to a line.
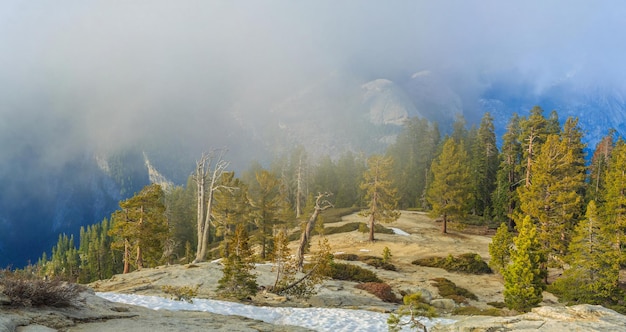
545	319
443	304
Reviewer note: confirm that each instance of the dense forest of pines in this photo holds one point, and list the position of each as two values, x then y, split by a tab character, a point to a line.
555	208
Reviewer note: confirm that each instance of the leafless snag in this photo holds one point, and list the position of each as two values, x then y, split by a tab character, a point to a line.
321	204
209	170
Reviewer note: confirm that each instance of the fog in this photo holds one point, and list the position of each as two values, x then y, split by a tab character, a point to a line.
106	74
179	77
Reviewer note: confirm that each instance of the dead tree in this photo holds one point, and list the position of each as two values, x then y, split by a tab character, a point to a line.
209	170
321	204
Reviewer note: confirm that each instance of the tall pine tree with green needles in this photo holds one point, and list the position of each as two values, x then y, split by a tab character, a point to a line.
380	194
615	193
533	132
141	226
504	197
239	280
500	248
523	277
266	202
485	164
450	190
554	197
599	166
593	276
412	154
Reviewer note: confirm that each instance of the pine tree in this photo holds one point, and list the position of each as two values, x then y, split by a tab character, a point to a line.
238	280
450	189
350	167
412	153
533	132
266	202
614	197
500	248
599	166
231	207
141	226
379	193
523	277
505	199
485	164
593	276
553	199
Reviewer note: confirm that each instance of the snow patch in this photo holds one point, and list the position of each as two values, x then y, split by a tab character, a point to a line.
319	319
398	231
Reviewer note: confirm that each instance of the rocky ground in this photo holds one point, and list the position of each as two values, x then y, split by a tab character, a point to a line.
424	240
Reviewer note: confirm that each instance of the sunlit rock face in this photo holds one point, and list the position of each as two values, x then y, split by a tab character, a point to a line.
386	102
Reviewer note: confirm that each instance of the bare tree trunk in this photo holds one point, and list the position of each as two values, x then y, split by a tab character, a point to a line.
529	161
126	257
200	179
205	171
139	259
305	238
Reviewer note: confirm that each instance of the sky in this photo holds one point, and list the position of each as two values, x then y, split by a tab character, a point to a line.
78	75
79	78
326	319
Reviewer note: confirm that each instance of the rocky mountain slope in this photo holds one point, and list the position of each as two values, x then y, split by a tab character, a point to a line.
417	236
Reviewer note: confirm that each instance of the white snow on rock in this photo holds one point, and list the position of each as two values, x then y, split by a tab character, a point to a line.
319	319
398	231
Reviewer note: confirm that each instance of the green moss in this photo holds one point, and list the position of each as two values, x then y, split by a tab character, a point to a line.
450	290
350	272
473	311
469	263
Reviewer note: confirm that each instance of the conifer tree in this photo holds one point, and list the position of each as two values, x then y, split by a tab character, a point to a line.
413	153
350	168
553	199
231	207
523	277
500	248
615	193
450	189
599	166
505	199
593	276
485	164
380	194
533	132
266	202
238	280
141	225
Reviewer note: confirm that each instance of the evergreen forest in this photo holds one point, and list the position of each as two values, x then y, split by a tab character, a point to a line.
553	205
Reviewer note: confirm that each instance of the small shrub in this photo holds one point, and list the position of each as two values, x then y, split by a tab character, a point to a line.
377	262
380	290
499	305
183	293
26	292
345	228
470	263
374	261
386	255
450	290
347	257
473	311
410	313
350	272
